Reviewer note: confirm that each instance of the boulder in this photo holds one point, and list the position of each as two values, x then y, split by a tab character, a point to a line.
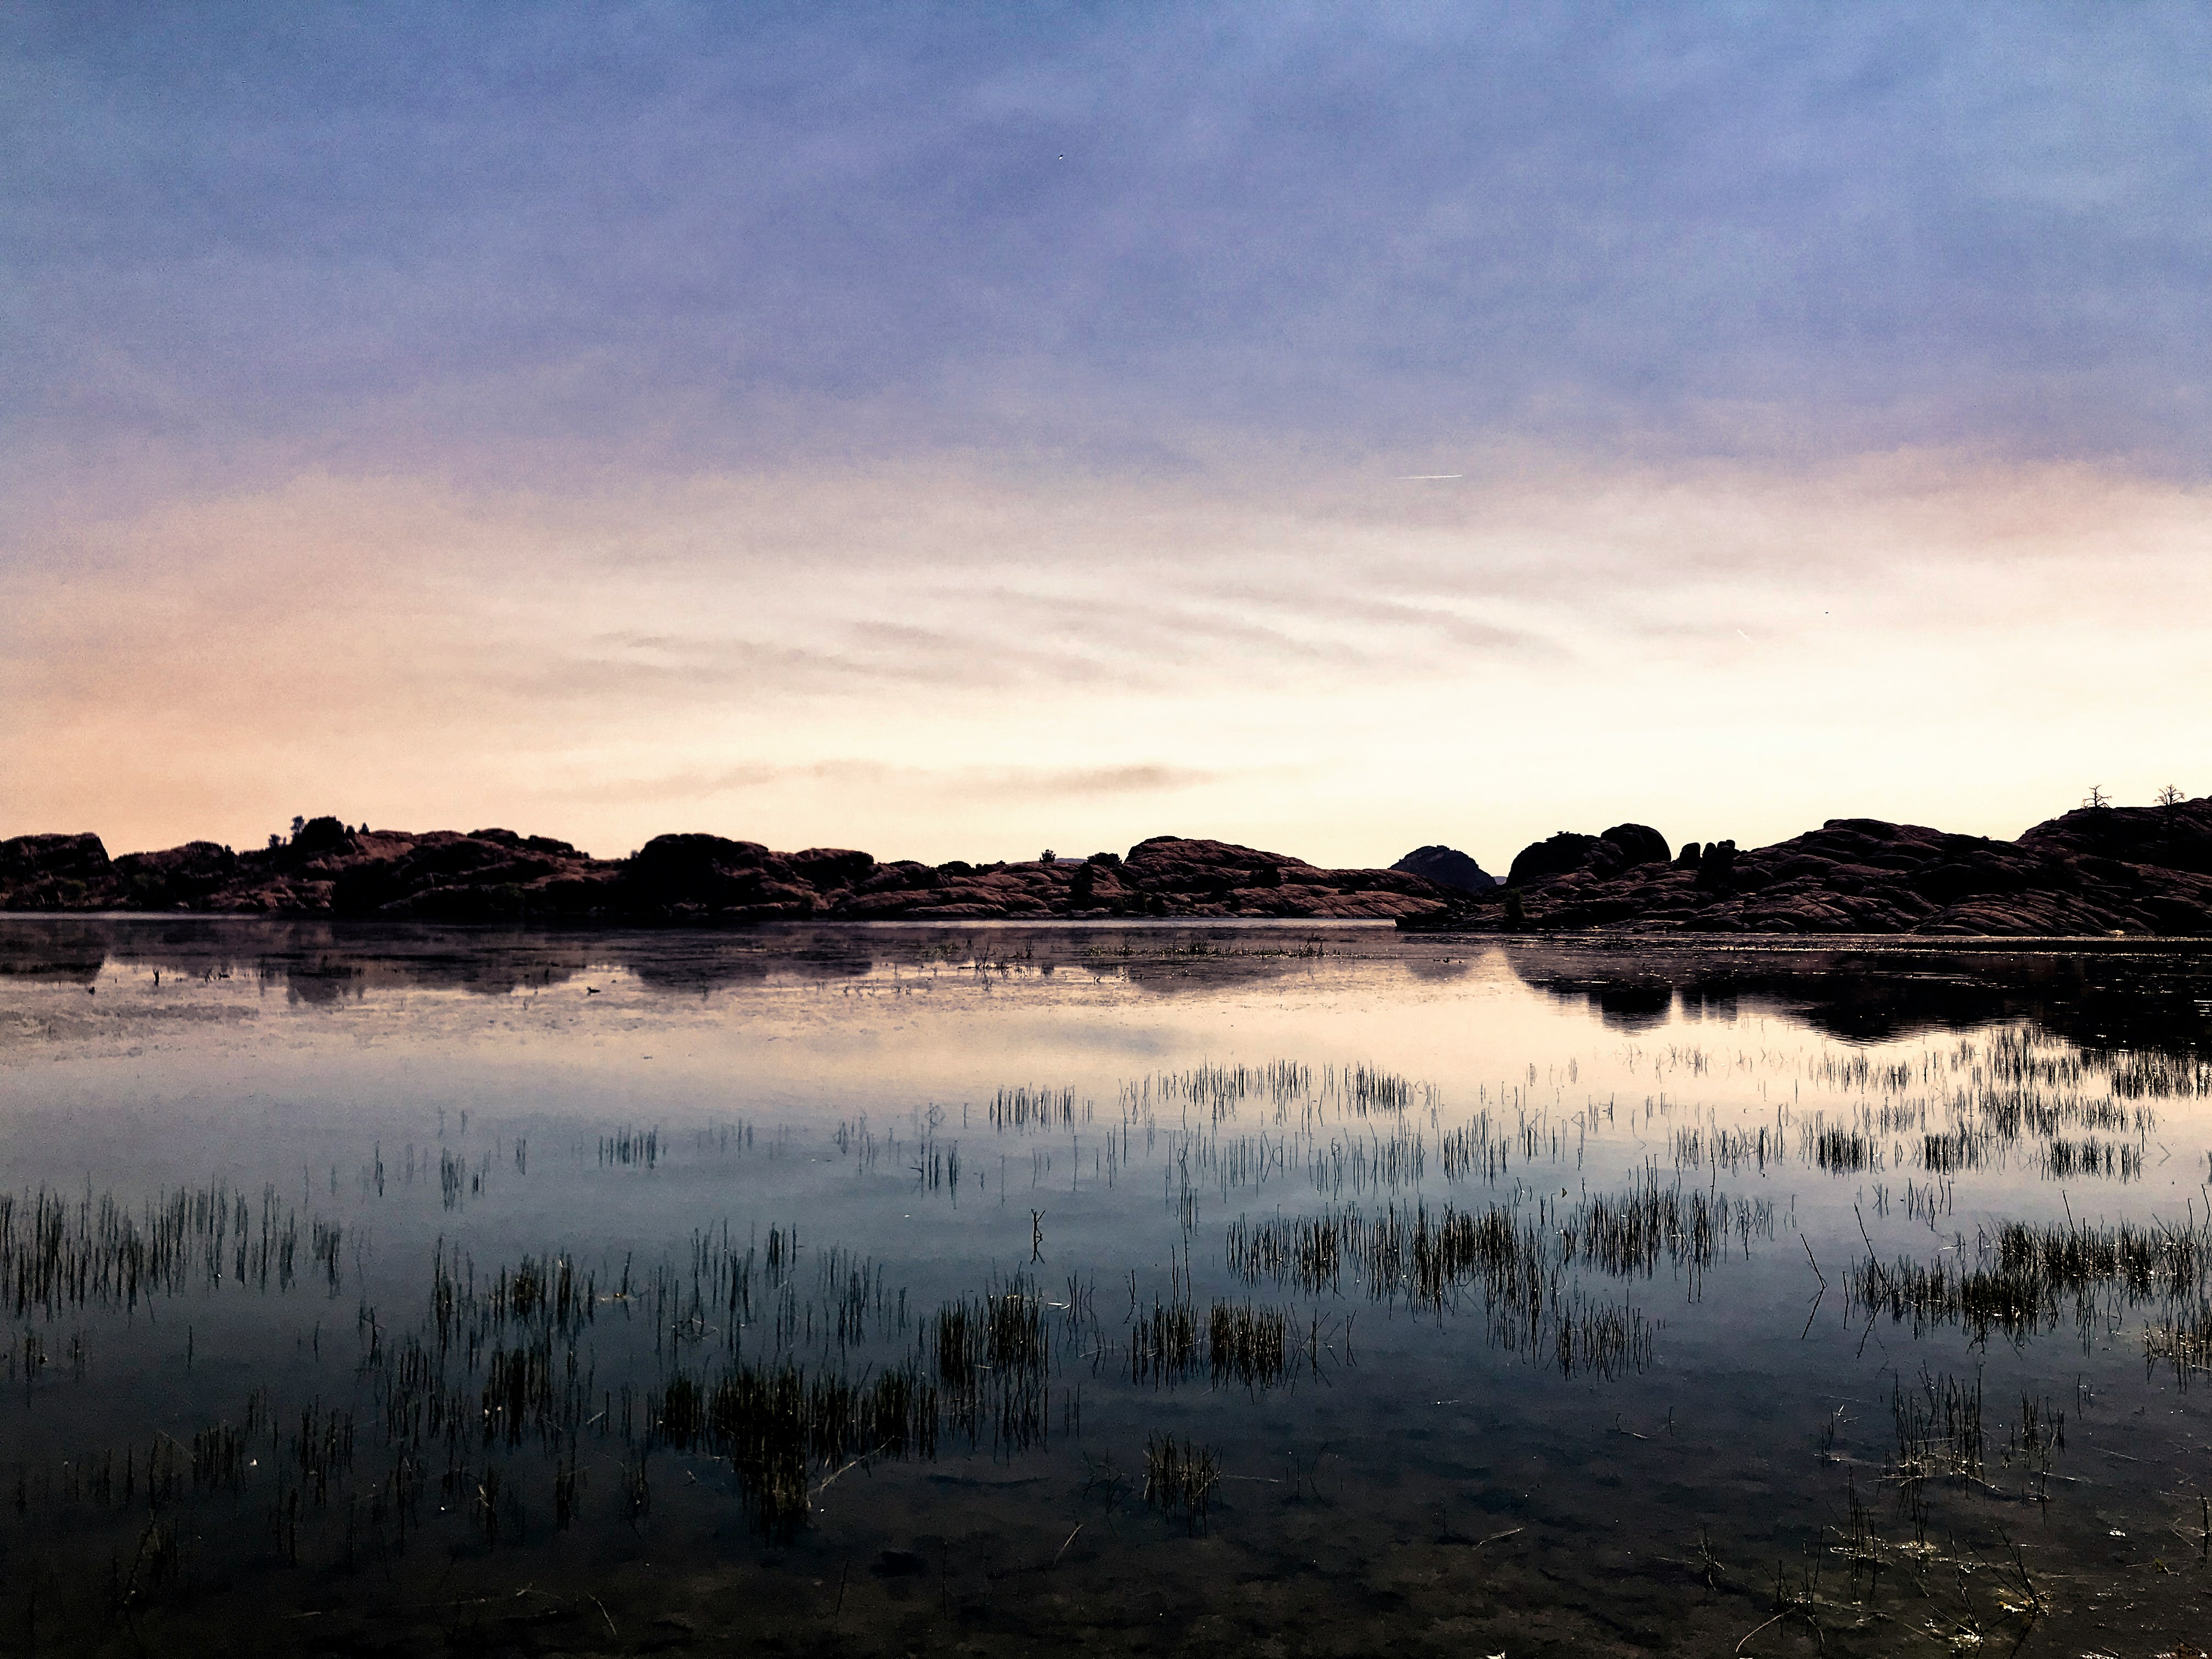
829	867
177	878
1447	867
56	872
1637	843
1554	856
323	835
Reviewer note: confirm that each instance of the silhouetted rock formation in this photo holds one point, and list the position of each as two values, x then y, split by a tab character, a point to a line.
2134	870
1447	867
52	873
326	869
2095	870
1618	848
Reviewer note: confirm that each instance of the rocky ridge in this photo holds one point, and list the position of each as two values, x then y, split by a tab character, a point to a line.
2095	870
329	869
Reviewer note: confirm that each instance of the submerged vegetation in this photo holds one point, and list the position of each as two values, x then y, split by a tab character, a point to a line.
1180	1479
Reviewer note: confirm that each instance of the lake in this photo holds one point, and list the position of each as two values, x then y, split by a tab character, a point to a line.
1288	1289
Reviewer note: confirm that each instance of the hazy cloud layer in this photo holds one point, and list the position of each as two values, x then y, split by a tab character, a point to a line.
517	240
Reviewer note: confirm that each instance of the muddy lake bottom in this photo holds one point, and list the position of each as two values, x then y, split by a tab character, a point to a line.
1279	1289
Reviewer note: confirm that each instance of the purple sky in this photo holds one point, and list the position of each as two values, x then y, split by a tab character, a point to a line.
947	429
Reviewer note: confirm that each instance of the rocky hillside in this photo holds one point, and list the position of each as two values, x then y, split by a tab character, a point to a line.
330	869
2096	871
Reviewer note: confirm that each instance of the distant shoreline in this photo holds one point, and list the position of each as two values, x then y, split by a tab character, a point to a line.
2143	873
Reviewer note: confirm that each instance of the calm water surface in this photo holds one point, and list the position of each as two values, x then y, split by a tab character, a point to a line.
989	1290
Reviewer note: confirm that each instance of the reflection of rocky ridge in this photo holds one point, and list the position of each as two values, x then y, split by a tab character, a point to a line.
328	869
2096	871
2100	1001
317	960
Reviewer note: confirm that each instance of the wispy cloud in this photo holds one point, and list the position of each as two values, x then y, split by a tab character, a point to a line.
989	782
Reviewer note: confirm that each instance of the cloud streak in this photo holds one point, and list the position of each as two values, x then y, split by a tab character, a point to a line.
1082	782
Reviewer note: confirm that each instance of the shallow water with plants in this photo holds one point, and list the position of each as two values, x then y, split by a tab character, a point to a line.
1284	1289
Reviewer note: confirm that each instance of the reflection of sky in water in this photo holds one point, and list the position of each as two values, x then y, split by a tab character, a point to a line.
826	1081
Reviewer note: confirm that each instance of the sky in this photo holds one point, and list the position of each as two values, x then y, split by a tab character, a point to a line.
954	431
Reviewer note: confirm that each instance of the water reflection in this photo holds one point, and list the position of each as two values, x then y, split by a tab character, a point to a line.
2128	999
1442	1289
2120	998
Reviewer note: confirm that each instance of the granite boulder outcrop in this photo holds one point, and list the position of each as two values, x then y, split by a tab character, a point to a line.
2096	871
329	868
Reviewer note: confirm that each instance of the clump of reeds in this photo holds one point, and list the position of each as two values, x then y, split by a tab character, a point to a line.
1180	1479
1163	1342
2143	1260
937	1169
1602	1339
992	1360
1728	1149
1519	1263
1025	1108
1307	1250
2089	1158
1001	1331
1281	1084
218	1457
2036	1267
776	1423
1948	1151
1472	1152
58	1252
522	1391
1842	1151
2183	1340
1942	1292
2034	1442
1247	1344
1371	1088
544	1295
628	1145
1939	1431
322	1448
452	1177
